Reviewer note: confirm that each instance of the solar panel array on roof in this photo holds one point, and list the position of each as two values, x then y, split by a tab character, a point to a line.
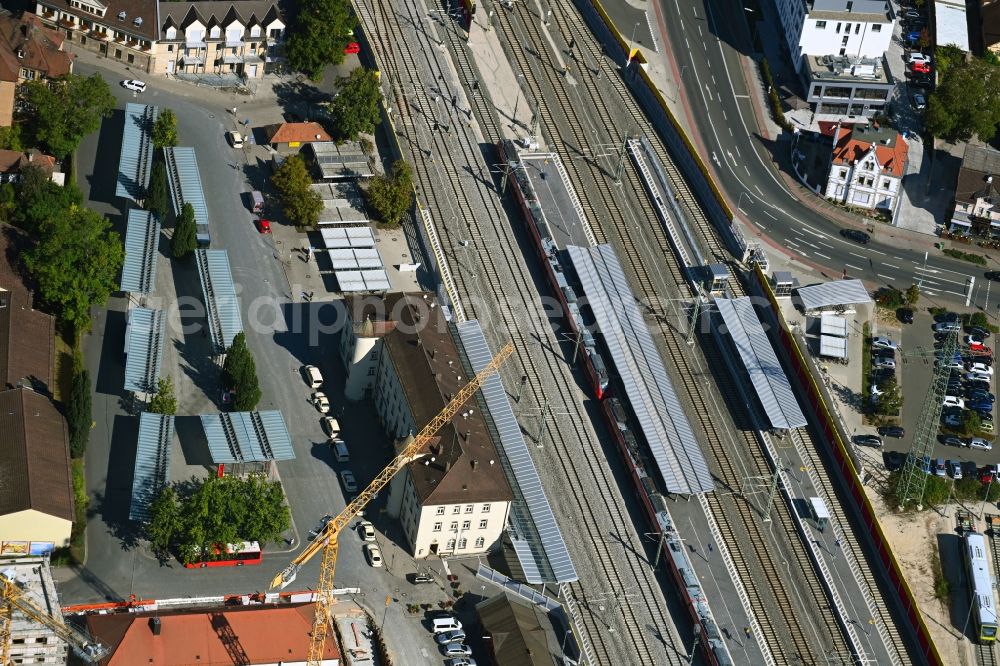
144	337
641	371
832	346
141	238
241	437
348	259
340	161
832	294
185	182
355	281
833	325
538	542
221	304
152	462
766	374
351	237
135	161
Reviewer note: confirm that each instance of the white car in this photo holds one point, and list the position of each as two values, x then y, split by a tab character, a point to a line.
947	326
135	85
886	363
235	139
320	401
980	443
373	555
972	340
981	367
884	343
952	401
331	426
918	57
313	376
366	530
350	483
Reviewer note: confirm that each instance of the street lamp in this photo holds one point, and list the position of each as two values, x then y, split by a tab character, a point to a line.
631	43
753	26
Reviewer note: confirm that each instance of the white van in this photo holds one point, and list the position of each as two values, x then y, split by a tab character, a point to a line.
340	452
442	624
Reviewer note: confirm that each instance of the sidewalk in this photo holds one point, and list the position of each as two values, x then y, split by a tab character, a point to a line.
503	86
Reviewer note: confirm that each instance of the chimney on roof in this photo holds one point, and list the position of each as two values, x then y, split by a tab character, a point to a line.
154	625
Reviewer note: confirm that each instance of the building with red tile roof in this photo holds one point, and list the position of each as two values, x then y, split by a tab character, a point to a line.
867	166
28	51
269	634
296	134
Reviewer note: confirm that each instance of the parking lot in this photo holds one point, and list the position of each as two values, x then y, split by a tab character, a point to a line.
917	357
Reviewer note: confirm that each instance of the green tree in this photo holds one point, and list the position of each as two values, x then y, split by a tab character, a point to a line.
78	413
40	200
972	423
158	197
76	264
165	130
185	238
391	196
318	36
10	138
66	109
964	104
891	400
239	372
164	401
301	204
912	295
355	108
166	523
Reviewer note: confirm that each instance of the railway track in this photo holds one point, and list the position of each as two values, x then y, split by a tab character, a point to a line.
636	622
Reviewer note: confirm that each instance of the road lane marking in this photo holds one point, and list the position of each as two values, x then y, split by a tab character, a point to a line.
827	245
859	256
769	215
762	226
885	277
886	263
854	267
731	132
822	255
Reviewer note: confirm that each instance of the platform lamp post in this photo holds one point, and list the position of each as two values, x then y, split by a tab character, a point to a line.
753	26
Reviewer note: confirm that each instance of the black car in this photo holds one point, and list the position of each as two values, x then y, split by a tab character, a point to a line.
952	441
892	431
856	236
985	416
992	275
969	469
893	460
978	331
905	315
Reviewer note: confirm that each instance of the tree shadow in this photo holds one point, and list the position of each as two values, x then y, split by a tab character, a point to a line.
111	370
102	177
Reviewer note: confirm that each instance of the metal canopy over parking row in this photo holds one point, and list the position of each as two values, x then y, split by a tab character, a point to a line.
832	346
242	437
640	368
766	374
141	237
335	239
144	337
833	325
535	535
838	293
135	162
222	309
357	265
185	186
152	462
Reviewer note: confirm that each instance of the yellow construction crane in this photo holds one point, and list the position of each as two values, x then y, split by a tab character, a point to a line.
15	599
327	539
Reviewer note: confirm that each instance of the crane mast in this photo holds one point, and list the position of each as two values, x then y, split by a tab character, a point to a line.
327	539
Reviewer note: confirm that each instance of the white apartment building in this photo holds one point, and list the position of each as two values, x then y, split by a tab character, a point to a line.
399	351
853	28
867	167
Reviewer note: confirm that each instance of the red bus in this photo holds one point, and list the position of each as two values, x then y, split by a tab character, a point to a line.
237	555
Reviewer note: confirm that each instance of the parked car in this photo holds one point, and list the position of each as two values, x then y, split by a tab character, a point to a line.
956	469
350	483
313	377
955	363
922	82
992	275
978	331
980	368
135	85
953	441
454	636
263	226
235	139
456	650
981	405
460	661
320	526
980	443
892	431
986	426
904	315
972	340
921	67
953	401
873	441
978	377
980	394
893	460
919	102
366	530
925	464
939	468
884	343
331	426
373	555
916	56
946	317
880	362
352	48
970	469
912	14
320	402
856	236
952	420
421	578
947	326
912	36
985	417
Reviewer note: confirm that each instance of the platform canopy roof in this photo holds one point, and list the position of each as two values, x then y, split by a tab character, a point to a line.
538	542
184	179
833	325
761	363
135	161
837	293
221	304
832	346
152	462
641	371
240	437
144	338
141	238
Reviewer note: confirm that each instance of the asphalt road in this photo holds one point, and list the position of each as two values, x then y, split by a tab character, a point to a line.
706	44
283	336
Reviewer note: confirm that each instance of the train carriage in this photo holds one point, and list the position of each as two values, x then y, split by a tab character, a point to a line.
984	609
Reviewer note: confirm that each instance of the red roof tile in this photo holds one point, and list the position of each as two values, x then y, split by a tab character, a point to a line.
297	132
40	48
891	156
258	634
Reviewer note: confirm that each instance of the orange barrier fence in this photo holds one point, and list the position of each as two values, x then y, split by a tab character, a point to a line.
843	463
